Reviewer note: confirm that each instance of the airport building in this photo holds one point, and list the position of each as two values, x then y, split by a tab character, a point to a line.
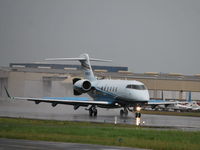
36	80
68	67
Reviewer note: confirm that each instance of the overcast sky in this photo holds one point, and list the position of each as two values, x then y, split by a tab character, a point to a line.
145	35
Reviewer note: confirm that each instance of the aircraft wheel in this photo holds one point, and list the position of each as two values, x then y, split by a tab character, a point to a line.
90	112
95	112
126	113
121	112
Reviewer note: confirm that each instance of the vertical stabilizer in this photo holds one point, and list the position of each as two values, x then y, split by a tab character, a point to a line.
162	95
86	67
189	97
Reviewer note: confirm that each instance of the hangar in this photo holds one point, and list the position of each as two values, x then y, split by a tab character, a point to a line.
56	80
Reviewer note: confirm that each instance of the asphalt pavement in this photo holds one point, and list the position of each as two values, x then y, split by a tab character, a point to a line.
27	109
16	144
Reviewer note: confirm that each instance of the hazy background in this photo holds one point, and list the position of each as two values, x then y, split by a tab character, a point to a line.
145	35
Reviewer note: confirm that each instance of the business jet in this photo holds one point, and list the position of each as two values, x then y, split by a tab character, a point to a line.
104	93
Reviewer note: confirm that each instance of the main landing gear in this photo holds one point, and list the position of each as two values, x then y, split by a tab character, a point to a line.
124	112
92	111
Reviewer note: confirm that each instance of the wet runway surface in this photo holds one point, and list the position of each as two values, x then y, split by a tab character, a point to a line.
26	109
12	144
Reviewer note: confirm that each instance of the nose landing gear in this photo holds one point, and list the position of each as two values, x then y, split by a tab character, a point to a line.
92	111
138	116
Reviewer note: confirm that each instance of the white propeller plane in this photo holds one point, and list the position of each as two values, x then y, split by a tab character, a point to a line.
105	93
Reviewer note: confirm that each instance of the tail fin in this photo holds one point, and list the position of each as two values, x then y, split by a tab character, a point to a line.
7	93
162	95
189	97
85	64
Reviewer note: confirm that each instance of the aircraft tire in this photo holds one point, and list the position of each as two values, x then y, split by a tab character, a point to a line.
121	112
90	112
95	112
126	113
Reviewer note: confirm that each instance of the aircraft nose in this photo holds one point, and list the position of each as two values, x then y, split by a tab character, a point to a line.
145	97
142	96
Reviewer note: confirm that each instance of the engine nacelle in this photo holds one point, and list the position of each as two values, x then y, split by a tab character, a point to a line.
82	86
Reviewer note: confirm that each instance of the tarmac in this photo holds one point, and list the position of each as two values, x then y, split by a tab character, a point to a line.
16	144
27	109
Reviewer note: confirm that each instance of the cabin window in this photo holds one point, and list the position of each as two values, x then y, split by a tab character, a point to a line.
107	88
136	87
104	88
113	89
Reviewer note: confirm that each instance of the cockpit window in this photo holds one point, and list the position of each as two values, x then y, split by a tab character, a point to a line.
137	87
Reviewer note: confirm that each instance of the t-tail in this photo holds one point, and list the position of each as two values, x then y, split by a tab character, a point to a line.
189	97
86	67
85	64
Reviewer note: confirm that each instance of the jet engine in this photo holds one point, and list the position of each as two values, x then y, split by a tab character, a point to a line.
81	86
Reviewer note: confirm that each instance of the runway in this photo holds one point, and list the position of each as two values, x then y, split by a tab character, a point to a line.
13	144
26	109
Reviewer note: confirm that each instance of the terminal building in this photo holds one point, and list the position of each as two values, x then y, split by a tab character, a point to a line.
37	80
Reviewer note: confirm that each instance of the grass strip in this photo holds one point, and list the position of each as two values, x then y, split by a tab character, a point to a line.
98	133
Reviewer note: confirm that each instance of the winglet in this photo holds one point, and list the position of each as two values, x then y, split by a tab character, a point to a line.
7	93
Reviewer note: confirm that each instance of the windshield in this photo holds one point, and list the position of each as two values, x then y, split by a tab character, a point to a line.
137	87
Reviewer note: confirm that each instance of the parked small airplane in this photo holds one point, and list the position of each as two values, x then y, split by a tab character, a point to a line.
188	105
105	93
159	103
173	105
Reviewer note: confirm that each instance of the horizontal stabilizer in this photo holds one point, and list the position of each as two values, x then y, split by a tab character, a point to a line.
76	59
65	59
85	64
83	57
100	60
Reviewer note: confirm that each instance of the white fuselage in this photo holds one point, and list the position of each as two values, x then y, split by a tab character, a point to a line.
123	89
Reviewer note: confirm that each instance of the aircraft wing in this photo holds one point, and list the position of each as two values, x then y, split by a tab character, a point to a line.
82	101
161	102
